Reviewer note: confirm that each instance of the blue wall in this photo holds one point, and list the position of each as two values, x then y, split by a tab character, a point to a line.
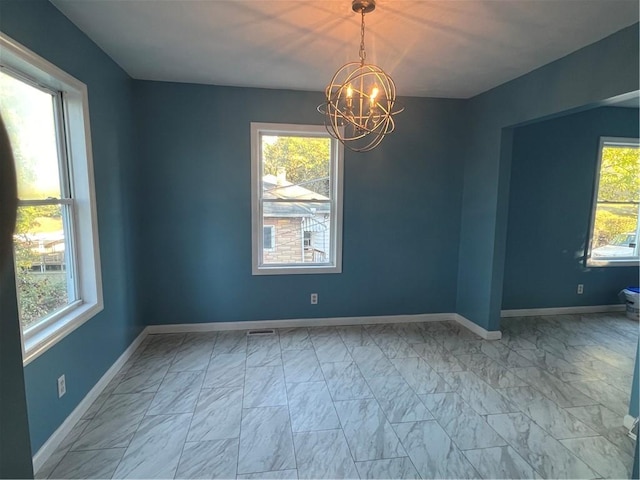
401	210
86	354
553	169
580	79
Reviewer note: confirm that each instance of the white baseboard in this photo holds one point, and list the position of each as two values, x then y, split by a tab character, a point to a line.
477	329
63	430
325	322
532	312
299	322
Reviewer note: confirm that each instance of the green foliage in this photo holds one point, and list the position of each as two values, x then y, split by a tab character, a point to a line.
304	159
620	175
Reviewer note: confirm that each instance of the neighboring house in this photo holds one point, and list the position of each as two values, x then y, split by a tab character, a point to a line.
294	232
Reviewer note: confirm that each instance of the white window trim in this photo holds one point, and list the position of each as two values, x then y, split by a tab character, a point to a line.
609	262
17	57
258	268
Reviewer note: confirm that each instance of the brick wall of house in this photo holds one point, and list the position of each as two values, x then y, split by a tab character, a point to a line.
288	240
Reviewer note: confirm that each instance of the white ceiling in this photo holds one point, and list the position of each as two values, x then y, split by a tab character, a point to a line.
439	48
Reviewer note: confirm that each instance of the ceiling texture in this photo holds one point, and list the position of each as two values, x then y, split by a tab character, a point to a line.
435	48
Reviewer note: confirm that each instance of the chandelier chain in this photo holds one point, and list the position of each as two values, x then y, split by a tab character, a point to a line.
363	53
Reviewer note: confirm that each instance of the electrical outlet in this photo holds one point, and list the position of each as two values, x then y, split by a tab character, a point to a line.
580	289
62	386
314	299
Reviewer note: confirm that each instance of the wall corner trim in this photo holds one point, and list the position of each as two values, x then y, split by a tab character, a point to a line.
43	454
477	329
531	312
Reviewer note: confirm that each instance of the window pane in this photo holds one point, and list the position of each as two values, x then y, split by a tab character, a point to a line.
616	219
28	114
296	167
303	232
41	262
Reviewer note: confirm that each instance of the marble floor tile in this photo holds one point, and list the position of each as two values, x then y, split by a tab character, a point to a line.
439	359
330	348
355	336
311	408
412	332
492	372
277	475
263	351
212	459
499	463
544	453
606	355
601	455
231	342
178	393
397	400
102	398
165	343
463	425
155	449
603	393
401	468
420	376
145	375
194	353
565	371
432	452
369	434
344	381
460	346
265	441
516	342
116	422
323	331
393	346
264	387
562	393
301	366
323	455
89	464
225	371
478	394
372	362
607	423
217	415
547	414
54	459
504	355
294	339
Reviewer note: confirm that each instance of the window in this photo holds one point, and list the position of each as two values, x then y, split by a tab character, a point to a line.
267	237
614	222
56	256
297	190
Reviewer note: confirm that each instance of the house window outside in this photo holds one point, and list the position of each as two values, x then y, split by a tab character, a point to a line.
614	225
56	258
268	237
296	190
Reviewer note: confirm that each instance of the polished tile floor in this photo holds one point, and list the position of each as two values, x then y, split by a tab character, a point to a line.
419	400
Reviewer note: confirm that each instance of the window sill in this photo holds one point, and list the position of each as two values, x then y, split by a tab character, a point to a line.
613	263
40	342
292	270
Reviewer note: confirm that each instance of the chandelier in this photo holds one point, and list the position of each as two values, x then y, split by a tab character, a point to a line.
361	98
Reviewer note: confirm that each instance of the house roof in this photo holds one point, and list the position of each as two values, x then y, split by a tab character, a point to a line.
274	188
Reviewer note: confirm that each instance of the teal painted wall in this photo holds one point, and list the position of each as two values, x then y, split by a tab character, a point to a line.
86	354
553	169
401	210
575	81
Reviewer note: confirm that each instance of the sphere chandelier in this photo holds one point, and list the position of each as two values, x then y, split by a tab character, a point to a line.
360	99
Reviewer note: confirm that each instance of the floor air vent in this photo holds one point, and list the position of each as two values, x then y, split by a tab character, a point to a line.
265	331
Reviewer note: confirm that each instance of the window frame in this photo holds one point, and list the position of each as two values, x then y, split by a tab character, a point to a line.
74	138
610	261
336	202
